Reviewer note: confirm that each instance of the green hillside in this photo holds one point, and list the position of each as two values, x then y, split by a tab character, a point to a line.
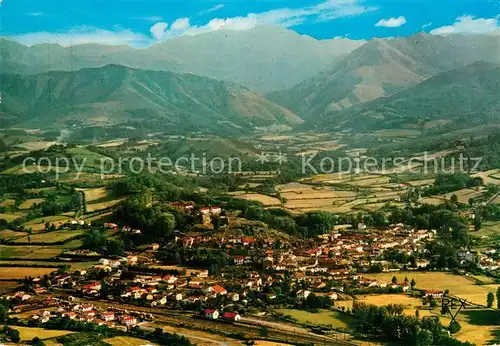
461	98
115	94
382	67
265	58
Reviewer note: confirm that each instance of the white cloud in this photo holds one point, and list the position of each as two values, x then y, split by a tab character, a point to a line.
392	22
287	17
181	24
426	25
36	14
212	9
83	35
467	24
161	30
158	30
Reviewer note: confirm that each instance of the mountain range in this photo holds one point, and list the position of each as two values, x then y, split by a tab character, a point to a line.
466	96
217	82
382	67
264	59
116	94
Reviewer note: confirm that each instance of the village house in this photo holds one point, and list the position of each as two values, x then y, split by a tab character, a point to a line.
108	316
231	316
436	294
217	290
93	287
128	321
303	294
212	314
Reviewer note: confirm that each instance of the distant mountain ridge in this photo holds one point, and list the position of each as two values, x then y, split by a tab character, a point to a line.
264	59
461	98
382	67
115	94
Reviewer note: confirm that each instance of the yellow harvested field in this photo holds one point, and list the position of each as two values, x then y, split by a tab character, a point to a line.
291	187
7	203
276	138
94	194
318	194
464	195
431	200
28	333
9	234
104	205
313	203
51	237
458	285
31	146
113	143
127	341
200	337
422	182
369	181
267	201
384	299
31	202
9	273
38	225
11	216
496	200
489	177
332	178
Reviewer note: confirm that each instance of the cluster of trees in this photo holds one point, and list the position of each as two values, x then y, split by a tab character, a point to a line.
314	302
160	337
388	323
63	198
17	183
12	334
97	240
156	222
213	260
490	298
446	183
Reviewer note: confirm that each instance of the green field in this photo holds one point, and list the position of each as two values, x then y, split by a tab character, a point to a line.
31	202
36	251
11	216
51	237
336	319
90	159
458	285
9	235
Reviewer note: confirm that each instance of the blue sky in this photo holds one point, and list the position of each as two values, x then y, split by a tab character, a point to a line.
146	22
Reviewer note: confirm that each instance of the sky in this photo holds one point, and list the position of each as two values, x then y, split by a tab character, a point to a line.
142	23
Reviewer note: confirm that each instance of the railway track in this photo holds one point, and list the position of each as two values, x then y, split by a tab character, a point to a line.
249	328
